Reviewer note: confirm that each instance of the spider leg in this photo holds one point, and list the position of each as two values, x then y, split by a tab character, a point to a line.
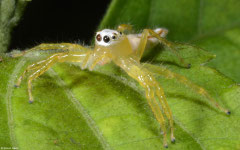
97	59
124	27
159	92
52	48
167	110
167	43
33	66
145	38
52	60
171	75
157	112
72	49
135	70
142	44
44	65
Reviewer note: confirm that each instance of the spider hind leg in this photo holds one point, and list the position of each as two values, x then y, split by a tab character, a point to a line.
169	44
201	91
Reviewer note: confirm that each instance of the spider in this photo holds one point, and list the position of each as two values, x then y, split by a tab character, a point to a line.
125	50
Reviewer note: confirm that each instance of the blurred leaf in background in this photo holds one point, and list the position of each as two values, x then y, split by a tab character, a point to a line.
10	13
105	109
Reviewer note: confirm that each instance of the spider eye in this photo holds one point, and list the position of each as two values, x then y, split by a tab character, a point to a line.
106	39
114	37
98	37
120	33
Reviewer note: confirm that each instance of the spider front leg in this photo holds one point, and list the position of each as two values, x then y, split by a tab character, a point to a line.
33	66
41	67
152	90
52	48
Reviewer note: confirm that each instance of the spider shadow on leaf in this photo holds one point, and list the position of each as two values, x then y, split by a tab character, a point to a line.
194	100
154	55
199	125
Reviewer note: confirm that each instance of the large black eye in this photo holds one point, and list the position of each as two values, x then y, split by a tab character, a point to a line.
98	37
106	39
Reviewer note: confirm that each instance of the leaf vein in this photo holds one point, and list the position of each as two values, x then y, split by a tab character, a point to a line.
82	110
8	97
190	134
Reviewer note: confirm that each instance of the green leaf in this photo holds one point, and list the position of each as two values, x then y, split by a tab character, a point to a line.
106	109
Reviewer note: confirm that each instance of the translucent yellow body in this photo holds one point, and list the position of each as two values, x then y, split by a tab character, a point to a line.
125	51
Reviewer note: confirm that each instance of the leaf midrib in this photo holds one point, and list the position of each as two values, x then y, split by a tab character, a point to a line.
8	99
90	122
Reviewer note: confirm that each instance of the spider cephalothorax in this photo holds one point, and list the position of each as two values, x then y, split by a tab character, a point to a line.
125	50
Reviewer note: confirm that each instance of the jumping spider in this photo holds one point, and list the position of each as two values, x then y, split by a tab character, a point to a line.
125	50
